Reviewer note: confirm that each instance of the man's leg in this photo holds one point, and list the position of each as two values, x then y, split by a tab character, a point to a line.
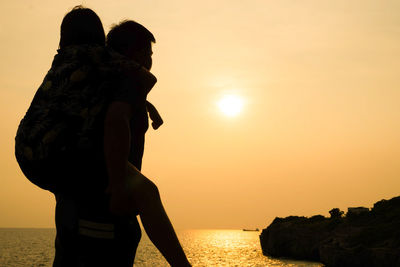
66	253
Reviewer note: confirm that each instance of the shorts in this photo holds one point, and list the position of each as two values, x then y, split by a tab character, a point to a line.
88	236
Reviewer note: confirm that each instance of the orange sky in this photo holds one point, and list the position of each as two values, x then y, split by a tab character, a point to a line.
319	128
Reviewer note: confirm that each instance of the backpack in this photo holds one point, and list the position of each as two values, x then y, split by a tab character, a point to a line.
59	140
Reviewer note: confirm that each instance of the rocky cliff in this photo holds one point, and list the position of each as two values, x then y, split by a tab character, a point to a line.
366	239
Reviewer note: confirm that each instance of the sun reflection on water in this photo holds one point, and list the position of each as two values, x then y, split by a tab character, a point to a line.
218	248
203	248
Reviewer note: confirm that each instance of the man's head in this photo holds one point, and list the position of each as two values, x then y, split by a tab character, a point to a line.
81	26
132	40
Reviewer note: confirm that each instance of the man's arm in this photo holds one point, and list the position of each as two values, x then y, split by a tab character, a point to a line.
117	139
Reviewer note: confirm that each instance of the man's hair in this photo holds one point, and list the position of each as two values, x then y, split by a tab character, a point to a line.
81	26
129	33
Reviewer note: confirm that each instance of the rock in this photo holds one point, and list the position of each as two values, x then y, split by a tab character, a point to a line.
370	238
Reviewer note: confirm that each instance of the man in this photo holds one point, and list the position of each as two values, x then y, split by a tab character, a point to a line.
129	190
88	234
63	145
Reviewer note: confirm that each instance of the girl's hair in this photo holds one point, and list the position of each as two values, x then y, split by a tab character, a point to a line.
81	26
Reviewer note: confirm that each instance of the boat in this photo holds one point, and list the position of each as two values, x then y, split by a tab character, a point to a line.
251	230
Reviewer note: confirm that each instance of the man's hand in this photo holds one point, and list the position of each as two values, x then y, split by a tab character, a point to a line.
127	198
122	202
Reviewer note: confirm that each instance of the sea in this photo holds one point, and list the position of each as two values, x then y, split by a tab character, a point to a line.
25	247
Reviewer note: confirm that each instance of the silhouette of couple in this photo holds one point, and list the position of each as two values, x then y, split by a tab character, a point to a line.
82	138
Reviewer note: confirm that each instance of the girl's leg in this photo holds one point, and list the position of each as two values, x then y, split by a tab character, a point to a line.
154	218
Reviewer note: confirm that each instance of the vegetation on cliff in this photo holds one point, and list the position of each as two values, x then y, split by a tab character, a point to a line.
363	237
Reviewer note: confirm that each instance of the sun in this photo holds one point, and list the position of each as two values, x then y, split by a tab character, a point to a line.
231	105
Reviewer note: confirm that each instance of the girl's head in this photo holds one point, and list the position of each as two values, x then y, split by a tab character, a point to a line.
81	26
